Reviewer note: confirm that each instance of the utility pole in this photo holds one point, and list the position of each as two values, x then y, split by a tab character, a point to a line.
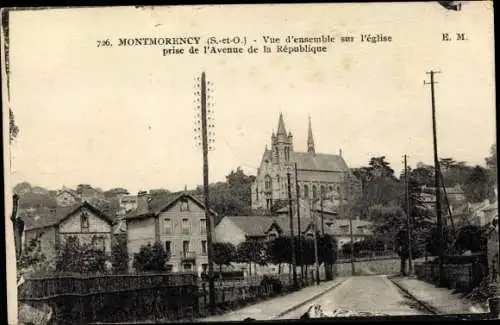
299	240
349	212
208	216
292	239
408	222
315	229
436	181
322	215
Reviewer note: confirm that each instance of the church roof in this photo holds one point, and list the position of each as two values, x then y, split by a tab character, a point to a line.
319	161
281	125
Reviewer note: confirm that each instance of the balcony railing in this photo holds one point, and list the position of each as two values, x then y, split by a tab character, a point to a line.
186	255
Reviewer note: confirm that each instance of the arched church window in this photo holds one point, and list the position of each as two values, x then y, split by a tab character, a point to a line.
306	192
268	182
330	189
278	178
276	154
257	193
287	154
322	191
315	194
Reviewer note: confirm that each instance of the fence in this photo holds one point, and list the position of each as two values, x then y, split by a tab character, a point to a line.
460	275
70	285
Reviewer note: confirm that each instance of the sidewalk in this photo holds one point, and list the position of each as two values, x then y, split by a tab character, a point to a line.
440	300
271	308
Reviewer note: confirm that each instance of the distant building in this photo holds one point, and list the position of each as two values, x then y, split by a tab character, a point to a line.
67	197
178	222
236	230
318	174
53	226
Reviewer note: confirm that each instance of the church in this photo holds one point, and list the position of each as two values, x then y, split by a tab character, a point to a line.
319	175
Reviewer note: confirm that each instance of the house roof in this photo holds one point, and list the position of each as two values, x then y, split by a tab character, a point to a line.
48	217
33	200
319	161
68	190
158	205
252	225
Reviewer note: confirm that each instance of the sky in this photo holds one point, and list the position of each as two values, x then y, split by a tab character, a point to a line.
123	116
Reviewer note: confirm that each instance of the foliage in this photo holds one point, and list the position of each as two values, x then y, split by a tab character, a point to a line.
250	251
279	251
469	238
80	258
433	239
151	258
491	164
32	256
232	197
13	128
327	249
477	189
119	253
223	253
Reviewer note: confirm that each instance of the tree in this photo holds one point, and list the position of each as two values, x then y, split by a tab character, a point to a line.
22	188
13	128
491	164
151	258
223	254
80	258
251	251
32	258
119	253
476	188
469	239
278	251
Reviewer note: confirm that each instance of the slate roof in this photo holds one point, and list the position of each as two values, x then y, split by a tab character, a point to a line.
319	161
158	204
46	217
252	225
29	200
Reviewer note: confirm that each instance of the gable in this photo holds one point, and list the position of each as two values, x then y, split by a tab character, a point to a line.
228	232
72	223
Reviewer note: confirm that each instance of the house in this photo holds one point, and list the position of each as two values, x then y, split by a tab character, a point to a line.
53	226
237	229
67	197
178	222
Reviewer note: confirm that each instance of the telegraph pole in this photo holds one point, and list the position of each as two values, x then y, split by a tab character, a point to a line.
408	222
436	181
292	239
315	229
349	211
322	216
208	215
299	240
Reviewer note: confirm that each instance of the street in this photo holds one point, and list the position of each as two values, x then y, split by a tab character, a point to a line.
363	294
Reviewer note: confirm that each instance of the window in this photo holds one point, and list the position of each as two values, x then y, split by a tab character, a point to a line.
169	267
276	154
84	220
204	268
287	154
306	192
322	191
344	228
168	247
185	246
257	193
277	178
272	236
268	183
99	243
185	226
203	226
204	247
168	225
315	194
187	267
184	205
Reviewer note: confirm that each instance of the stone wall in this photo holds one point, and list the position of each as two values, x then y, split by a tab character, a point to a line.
369	267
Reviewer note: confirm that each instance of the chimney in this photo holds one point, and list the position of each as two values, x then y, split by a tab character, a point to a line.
340	152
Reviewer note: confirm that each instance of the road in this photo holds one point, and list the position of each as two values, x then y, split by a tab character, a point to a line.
373	294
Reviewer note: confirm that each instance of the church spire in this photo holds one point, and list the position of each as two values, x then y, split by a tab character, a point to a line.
281	126
310	139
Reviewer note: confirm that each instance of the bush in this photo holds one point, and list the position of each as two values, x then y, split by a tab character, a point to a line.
151	258
80	258
119	254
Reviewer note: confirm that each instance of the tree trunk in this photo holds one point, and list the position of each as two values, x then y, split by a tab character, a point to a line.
17	225
403	266
249	269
